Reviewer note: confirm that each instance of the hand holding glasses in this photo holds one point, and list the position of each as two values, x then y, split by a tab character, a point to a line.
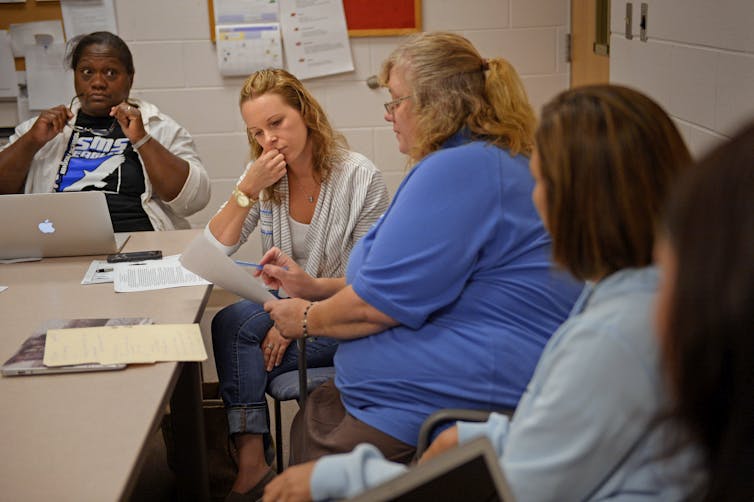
95	132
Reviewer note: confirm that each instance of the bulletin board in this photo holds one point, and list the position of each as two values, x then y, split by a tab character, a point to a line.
369	18
27	12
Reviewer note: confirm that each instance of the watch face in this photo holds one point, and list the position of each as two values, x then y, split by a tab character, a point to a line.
242	199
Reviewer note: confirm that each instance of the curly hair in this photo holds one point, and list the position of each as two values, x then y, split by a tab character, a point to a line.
328	145
453	87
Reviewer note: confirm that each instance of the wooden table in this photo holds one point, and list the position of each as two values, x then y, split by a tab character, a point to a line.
82	436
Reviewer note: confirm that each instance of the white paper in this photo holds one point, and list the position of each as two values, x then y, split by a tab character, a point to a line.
245	48
245	11
153	274
315	37
99	272
204	259
48	82
86	16
23	35
8	77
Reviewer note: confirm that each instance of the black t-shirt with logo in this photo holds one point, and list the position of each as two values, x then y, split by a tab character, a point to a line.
100	157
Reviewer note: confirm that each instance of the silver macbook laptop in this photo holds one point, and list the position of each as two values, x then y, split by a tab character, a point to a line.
46	225
469	472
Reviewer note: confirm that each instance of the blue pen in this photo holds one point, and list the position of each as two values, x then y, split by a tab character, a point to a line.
255	265
249	264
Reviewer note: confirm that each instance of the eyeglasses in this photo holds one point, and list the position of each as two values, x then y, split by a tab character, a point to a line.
96	132
390	106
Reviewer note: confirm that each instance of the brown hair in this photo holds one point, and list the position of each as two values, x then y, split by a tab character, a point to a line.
328	145
608	155
709	346
453	87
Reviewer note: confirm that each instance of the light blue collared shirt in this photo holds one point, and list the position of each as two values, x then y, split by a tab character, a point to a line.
586	428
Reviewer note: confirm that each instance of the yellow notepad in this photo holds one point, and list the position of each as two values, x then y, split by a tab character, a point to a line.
146	343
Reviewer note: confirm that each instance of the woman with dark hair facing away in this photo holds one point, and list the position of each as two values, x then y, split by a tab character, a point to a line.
106	140
449	299
587	427
311	197
705	314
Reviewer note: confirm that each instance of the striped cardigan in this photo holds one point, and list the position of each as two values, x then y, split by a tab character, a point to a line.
350	201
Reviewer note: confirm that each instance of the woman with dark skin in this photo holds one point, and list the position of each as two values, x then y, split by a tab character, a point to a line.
147	164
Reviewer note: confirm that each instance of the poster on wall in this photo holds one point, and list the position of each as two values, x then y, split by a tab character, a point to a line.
86	16
315	37
245	48
368	18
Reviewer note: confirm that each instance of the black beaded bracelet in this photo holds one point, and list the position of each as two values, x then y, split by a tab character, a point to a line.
305	321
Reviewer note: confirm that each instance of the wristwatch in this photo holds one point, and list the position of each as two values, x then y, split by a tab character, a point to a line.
242	199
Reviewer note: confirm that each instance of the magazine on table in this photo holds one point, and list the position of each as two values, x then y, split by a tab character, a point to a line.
28	359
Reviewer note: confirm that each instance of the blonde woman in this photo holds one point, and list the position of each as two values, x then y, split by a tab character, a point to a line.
449	299
310	197
590	425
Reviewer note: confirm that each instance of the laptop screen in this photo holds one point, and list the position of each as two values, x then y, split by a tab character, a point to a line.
55	224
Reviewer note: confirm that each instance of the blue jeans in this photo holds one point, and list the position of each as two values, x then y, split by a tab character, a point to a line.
237	334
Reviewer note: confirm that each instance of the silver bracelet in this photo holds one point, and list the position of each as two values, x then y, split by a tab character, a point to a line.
305	322
141	142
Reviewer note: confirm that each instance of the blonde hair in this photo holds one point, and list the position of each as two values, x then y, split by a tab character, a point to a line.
454	87
328	145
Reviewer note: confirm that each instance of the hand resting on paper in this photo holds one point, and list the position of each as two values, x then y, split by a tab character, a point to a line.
280	271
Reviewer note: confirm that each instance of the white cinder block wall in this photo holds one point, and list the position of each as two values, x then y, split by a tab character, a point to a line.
698	62
176	69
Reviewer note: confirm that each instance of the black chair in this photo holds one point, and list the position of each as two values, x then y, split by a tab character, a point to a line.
444	416
284	388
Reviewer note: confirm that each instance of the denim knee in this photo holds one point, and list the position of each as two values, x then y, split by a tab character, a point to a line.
228	323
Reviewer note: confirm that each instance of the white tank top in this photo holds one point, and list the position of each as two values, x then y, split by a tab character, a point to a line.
298	241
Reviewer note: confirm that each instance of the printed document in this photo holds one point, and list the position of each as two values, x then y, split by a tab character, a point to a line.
153	274
315	37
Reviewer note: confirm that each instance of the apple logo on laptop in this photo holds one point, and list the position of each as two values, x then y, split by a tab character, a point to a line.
46	227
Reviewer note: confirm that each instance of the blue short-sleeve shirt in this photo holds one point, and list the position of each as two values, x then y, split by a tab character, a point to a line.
462	261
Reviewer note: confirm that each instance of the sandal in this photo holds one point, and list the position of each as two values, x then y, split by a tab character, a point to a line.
255	493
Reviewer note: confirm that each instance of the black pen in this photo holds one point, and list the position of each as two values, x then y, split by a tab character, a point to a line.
103	270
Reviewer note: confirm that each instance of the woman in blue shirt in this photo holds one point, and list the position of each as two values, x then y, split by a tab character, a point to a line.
449	299
589	426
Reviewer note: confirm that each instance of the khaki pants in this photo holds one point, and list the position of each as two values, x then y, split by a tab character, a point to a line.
326	428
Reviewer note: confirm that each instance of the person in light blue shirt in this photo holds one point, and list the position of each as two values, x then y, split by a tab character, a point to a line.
590	425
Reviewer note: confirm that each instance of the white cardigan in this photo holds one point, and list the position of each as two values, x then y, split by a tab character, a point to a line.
350	201
163	214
